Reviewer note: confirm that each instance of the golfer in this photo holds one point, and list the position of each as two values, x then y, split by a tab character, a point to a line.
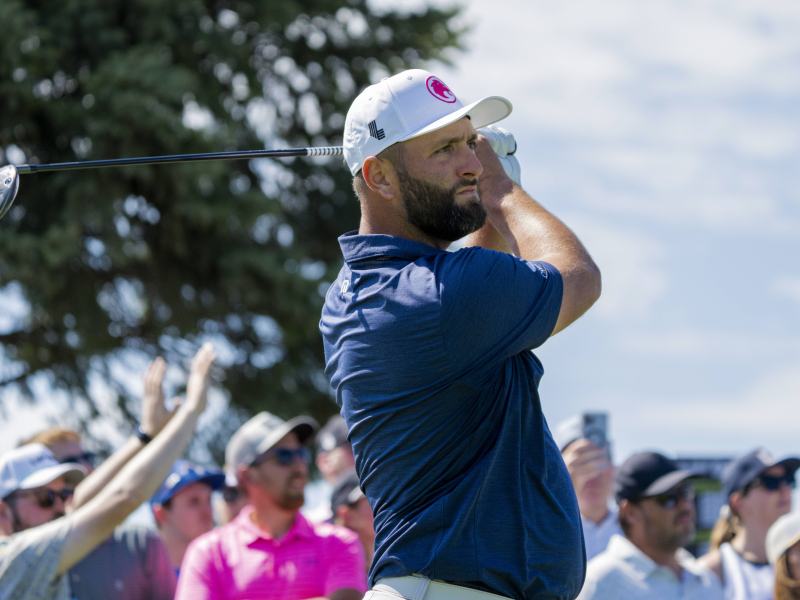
428	352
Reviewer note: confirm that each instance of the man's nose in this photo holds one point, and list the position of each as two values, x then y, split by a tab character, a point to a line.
470	167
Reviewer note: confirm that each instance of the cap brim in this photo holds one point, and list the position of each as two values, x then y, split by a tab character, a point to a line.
73	474
482	113
667	482
304	427
791	464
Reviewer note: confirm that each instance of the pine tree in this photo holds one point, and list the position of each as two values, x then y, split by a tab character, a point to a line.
121	263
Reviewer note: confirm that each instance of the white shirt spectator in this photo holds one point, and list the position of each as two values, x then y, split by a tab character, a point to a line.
29	563
623	572
596	537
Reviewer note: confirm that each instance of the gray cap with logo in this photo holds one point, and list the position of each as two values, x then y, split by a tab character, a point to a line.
260	434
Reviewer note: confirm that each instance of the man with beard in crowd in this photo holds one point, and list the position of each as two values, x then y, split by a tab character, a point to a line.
428	351
657	515
270	550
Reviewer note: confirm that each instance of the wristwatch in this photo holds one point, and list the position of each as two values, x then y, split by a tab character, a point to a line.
143	437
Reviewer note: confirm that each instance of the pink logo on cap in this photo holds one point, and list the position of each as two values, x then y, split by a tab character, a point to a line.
439	90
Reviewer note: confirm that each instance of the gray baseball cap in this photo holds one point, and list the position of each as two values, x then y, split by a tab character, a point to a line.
260	434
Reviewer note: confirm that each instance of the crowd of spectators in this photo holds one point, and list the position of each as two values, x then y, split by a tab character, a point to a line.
238	532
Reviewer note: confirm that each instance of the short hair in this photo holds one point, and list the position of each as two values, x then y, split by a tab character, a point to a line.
394	154
51	437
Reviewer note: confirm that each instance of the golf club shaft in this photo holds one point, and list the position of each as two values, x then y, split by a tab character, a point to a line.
180	158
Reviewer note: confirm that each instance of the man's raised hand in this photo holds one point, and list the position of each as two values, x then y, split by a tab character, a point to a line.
197	387
154	413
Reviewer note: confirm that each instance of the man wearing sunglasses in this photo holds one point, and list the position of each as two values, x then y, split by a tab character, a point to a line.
38	543
270	550
133	560
759	491
657	516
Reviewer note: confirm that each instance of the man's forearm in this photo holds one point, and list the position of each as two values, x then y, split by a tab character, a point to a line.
99	478
136	482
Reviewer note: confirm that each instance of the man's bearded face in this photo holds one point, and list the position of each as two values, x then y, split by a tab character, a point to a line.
433	210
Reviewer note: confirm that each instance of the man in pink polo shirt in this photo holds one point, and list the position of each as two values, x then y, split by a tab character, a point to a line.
270	550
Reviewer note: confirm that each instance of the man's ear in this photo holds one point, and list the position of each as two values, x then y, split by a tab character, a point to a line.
159	514
341	511
630	511
380	177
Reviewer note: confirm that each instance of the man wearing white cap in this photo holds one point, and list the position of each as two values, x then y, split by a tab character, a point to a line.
38	544
428	351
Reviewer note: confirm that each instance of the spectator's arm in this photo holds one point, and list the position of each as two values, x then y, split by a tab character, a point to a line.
533	234
138	480
154	417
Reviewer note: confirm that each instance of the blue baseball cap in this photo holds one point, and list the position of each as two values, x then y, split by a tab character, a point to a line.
743	470
183	474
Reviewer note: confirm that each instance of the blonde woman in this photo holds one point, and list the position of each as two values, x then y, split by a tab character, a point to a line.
783	552
759	491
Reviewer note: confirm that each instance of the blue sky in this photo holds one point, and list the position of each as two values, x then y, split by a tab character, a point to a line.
667	135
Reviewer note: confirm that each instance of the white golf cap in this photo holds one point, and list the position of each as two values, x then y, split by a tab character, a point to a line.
407	105
260	434
784	533
32	466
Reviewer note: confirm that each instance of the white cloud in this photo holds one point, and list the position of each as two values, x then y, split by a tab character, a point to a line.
788	286
692	345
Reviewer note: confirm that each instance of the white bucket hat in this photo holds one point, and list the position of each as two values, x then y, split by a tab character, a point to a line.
407	105
32	466
784	533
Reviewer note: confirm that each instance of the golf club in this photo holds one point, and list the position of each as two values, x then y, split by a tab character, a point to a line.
9	175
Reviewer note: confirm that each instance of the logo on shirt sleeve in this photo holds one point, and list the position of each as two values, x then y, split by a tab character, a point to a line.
345	285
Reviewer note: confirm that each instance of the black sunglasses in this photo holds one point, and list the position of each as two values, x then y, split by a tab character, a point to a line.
284	456
230	494
671	498
772	483
86	458
46	497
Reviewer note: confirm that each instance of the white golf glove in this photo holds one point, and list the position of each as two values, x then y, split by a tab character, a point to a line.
504	145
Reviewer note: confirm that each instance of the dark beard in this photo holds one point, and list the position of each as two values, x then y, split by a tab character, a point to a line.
433	210
290	501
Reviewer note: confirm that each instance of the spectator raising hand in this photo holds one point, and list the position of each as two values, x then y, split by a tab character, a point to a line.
33	561
155	413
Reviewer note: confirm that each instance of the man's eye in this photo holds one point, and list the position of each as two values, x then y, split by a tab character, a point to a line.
445	149
473	145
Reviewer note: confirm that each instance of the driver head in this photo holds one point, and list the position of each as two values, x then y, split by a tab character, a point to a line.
9	185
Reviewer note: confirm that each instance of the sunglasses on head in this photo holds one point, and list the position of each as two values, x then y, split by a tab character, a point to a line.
46	498
771	483
284	456
671	498
86	458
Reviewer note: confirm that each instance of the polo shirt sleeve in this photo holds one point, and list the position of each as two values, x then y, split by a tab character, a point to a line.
198	579
346	566
495	305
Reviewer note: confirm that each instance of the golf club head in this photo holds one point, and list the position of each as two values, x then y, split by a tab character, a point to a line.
9	185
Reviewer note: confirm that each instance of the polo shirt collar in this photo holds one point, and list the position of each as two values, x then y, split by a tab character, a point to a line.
625	550
250	532
356	247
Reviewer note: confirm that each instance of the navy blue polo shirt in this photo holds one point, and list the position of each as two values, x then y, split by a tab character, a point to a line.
428	352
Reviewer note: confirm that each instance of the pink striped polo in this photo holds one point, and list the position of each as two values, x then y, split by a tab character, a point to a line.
241	561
